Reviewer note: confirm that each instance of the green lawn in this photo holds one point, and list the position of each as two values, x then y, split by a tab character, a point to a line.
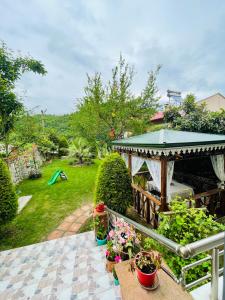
49	204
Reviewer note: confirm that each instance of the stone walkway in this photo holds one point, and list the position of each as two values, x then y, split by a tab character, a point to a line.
72	223
69	268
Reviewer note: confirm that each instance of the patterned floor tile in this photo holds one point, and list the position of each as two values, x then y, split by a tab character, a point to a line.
72	267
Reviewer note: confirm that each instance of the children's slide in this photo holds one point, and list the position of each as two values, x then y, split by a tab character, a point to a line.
55	177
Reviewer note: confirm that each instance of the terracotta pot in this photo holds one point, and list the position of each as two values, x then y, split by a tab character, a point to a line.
144	278
109	265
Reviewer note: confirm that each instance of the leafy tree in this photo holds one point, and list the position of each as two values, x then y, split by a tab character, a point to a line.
113	184
8	199
12	67
107	112
190	116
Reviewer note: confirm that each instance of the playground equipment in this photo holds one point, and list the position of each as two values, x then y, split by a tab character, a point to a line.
58	173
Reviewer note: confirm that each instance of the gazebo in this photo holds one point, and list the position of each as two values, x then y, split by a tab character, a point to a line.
161	150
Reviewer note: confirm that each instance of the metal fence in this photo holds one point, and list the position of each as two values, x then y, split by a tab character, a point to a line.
204	245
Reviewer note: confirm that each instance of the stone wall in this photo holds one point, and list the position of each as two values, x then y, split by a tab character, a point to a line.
22	165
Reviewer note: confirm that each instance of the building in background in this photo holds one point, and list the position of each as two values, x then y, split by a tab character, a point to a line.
214	103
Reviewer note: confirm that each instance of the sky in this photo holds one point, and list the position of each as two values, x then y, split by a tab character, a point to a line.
74	37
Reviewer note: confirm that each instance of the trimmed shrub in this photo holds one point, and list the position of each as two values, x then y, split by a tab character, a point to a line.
8	198
113	184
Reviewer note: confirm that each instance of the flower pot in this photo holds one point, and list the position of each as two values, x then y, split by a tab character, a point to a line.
116	282
101	242
110	265
100	207
145	279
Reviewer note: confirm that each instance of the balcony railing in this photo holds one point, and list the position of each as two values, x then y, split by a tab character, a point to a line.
204	245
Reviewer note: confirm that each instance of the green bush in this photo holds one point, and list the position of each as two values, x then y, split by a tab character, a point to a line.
113	185
8	198
185	226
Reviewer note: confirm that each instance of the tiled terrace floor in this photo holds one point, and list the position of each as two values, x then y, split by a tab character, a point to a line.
71	267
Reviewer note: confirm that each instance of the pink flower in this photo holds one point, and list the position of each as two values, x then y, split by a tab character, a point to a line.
111	233
107	253
118	259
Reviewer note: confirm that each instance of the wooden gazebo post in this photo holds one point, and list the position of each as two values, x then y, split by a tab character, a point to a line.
130	164
163	206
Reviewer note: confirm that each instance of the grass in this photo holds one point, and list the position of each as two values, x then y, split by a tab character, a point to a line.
49	204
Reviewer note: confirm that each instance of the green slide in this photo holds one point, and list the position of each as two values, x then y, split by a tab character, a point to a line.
54	177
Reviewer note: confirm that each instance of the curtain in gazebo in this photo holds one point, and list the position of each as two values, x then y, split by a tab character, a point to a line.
154	167
125	158
170	169
136	164
218	166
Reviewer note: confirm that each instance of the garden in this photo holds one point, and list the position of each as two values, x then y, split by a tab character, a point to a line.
49	204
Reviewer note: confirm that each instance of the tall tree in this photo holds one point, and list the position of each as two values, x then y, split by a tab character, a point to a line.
12	67
107	111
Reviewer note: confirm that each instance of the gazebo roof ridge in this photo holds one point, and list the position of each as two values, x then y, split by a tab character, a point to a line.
167	140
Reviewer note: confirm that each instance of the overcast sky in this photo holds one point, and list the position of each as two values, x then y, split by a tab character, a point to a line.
73	37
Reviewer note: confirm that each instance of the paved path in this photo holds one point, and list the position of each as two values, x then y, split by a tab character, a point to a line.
72	223
69	268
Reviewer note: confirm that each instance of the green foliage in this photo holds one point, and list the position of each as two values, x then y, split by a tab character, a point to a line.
80	151
190	116
11	69
107	112
145	260
185	226
141	181
101	231
113	184
8	199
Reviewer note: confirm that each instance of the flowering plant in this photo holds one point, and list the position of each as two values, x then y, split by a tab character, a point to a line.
110	253
123	238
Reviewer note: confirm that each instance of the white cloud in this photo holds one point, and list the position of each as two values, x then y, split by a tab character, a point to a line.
75	37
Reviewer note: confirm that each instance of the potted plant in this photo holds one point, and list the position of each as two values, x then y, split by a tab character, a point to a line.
100	207
146	266
112	257
116	280
124	239
101	232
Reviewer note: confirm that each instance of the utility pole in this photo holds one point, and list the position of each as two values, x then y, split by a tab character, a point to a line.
43	118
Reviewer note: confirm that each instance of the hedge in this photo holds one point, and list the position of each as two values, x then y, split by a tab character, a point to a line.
113	184
8	198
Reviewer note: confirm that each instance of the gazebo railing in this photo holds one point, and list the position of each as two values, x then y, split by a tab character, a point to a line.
146	205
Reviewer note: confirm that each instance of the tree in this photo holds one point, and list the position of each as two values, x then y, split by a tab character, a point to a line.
8	199
113	184
12	67
107	112
190	116
81	151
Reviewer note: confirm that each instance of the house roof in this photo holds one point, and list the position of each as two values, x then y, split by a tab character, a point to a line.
168	141
158	116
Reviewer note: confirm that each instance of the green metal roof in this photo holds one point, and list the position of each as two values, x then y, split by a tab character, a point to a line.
166	138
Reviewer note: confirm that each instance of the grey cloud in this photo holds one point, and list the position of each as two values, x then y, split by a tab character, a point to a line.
73	38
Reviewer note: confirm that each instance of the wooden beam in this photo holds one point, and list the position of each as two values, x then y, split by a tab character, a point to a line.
163	184
130	163
208	193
